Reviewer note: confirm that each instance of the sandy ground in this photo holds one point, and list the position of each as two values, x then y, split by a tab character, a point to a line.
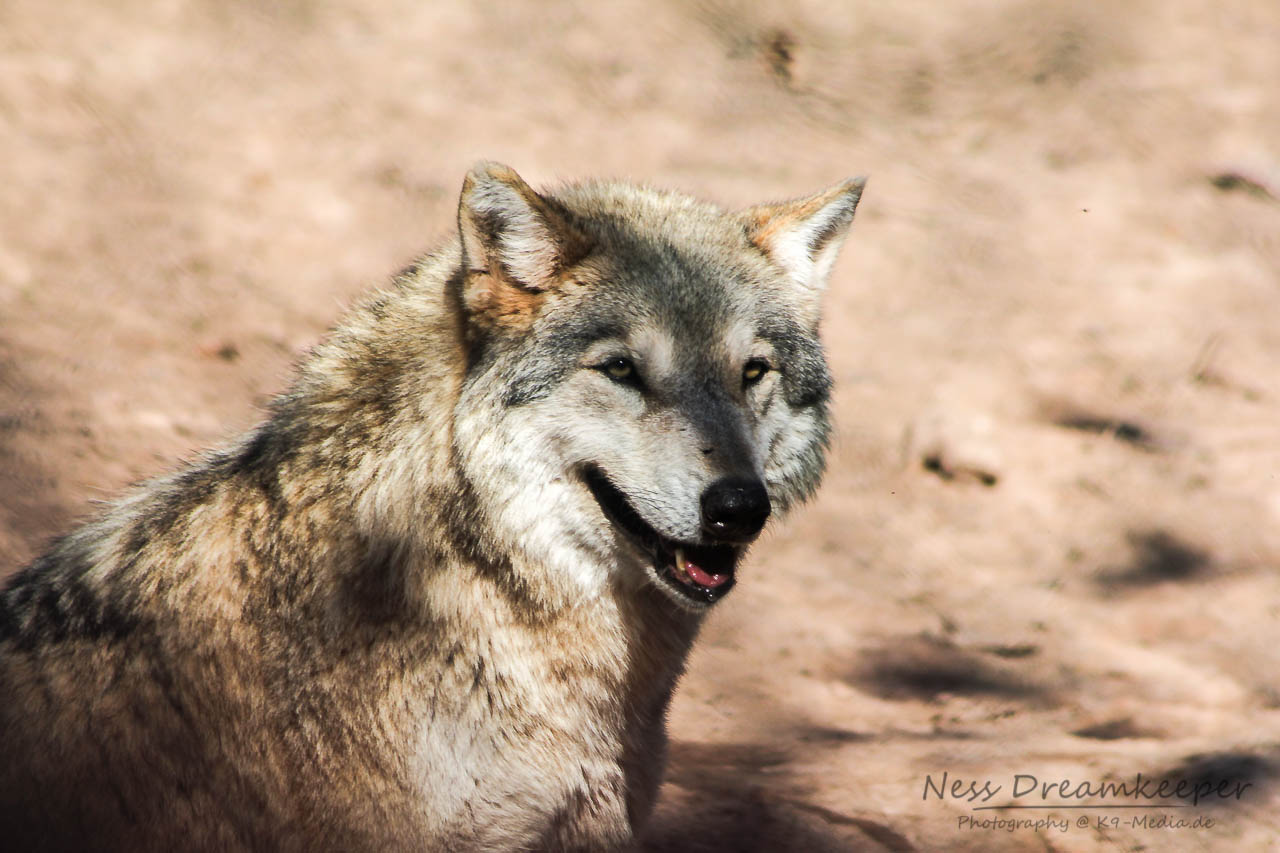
1048	542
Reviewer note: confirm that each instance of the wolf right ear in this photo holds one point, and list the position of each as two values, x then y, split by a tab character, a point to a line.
804	236
511	233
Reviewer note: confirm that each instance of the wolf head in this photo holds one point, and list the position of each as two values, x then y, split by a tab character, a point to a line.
645	383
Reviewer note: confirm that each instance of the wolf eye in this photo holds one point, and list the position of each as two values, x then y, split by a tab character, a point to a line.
753	371
621	370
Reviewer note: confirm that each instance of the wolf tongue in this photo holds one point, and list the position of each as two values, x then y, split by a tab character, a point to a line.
700	575
703	578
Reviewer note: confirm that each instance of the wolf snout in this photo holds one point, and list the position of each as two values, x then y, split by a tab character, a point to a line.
735	508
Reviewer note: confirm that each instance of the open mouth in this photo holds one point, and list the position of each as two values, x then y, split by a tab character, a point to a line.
702	574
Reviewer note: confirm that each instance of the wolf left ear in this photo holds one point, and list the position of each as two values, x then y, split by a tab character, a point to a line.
511	233
804	236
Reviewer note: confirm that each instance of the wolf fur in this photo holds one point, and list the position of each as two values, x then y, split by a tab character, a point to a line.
441	597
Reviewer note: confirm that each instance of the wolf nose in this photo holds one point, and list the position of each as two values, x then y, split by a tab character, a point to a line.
735	508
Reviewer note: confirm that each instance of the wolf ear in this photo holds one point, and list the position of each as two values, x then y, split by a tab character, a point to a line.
804	236
511	232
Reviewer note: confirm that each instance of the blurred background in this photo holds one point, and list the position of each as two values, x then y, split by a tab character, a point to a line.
1049	537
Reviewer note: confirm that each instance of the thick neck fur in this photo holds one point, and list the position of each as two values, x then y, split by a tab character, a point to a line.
412	502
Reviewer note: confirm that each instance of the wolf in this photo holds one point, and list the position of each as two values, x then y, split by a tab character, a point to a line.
441	597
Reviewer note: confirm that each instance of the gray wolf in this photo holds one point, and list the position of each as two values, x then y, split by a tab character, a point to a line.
441	597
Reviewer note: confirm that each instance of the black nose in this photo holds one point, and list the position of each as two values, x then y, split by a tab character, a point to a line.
735	508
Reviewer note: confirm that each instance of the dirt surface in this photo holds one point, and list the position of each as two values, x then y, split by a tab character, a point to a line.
1049	538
